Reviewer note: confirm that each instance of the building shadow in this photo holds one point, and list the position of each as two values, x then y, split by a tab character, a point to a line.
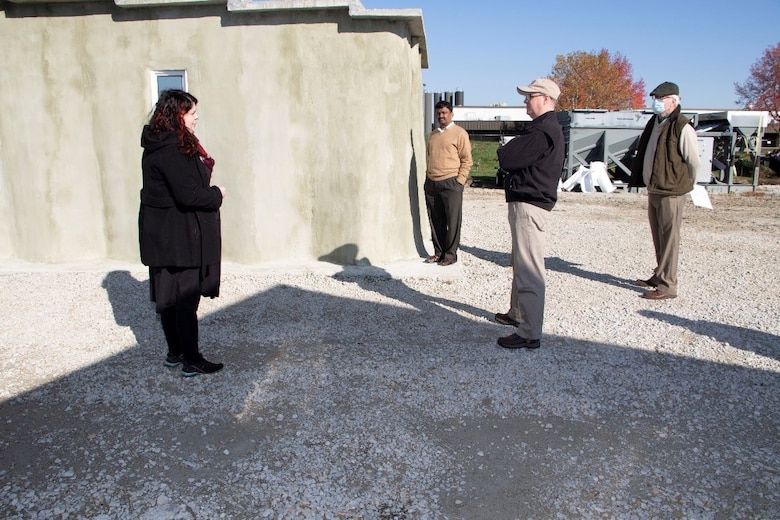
414	201
374	393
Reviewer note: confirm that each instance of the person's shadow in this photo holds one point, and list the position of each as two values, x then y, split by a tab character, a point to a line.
374	278
500	258
564	266
132	306
551	264
750	340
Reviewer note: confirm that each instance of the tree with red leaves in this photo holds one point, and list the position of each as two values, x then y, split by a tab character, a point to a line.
761	91
597	80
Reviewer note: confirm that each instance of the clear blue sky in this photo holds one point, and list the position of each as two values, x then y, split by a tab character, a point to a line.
487	47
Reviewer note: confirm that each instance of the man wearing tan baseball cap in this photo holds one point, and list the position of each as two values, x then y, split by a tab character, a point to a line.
533	162
544	86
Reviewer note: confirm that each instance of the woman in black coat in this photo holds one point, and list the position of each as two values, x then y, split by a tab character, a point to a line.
179	226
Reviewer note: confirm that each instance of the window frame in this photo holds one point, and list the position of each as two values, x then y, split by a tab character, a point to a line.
154	81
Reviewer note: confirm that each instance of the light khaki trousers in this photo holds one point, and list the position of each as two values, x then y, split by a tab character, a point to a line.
527	223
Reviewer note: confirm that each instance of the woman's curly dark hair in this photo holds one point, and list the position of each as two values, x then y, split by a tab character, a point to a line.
168	116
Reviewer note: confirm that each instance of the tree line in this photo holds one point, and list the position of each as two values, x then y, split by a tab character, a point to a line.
603	80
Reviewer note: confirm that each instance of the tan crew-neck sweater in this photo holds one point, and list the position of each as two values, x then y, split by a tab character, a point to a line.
449	154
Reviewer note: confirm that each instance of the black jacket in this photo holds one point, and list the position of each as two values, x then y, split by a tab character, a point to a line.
178	222
534	162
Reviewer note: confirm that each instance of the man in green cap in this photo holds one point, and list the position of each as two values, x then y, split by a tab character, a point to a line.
666	164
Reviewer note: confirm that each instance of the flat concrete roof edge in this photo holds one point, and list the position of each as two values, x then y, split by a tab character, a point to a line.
412	17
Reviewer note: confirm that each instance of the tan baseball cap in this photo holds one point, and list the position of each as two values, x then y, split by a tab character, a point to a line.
541	86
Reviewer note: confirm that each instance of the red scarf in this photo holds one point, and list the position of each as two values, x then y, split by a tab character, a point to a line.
206	158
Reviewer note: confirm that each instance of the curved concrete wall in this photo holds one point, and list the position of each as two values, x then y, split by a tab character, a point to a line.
314	119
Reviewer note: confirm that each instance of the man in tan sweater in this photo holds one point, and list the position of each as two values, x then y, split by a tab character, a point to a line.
449	163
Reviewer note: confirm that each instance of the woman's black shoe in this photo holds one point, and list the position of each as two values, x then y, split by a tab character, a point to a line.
201	367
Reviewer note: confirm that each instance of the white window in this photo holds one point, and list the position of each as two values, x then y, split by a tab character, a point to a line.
166	80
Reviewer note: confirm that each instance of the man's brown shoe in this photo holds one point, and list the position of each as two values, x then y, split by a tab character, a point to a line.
447	261
432	259
514	341
658	295
646	283
504	319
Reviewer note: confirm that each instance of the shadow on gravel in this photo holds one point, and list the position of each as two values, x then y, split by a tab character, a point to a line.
497	257
132	307
552	264
563	266
398	405
750	340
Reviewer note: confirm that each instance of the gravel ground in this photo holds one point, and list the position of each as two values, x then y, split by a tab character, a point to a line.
379	392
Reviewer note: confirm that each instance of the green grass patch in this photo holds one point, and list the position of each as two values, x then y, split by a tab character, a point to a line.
483	153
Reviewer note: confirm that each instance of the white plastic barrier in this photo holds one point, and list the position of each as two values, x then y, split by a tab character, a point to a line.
588	178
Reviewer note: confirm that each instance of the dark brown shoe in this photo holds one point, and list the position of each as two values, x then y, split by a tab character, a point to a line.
658	295
447	261
646	283
432	259
504	319
514	341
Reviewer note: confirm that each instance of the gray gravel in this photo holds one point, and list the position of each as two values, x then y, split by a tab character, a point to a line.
379	392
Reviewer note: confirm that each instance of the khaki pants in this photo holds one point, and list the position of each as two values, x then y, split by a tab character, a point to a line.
527	223
664	212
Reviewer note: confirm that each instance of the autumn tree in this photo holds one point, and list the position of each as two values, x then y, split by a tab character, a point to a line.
761	91
597	80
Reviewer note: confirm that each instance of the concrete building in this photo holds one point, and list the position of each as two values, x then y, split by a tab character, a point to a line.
310	108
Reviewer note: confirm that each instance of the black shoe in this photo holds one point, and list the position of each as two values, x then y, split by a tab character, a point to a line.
201	367
515	341
172	360
504	319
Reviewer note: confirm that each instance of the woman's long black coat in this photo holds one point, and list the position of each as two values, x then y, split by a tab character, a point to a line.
178	222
